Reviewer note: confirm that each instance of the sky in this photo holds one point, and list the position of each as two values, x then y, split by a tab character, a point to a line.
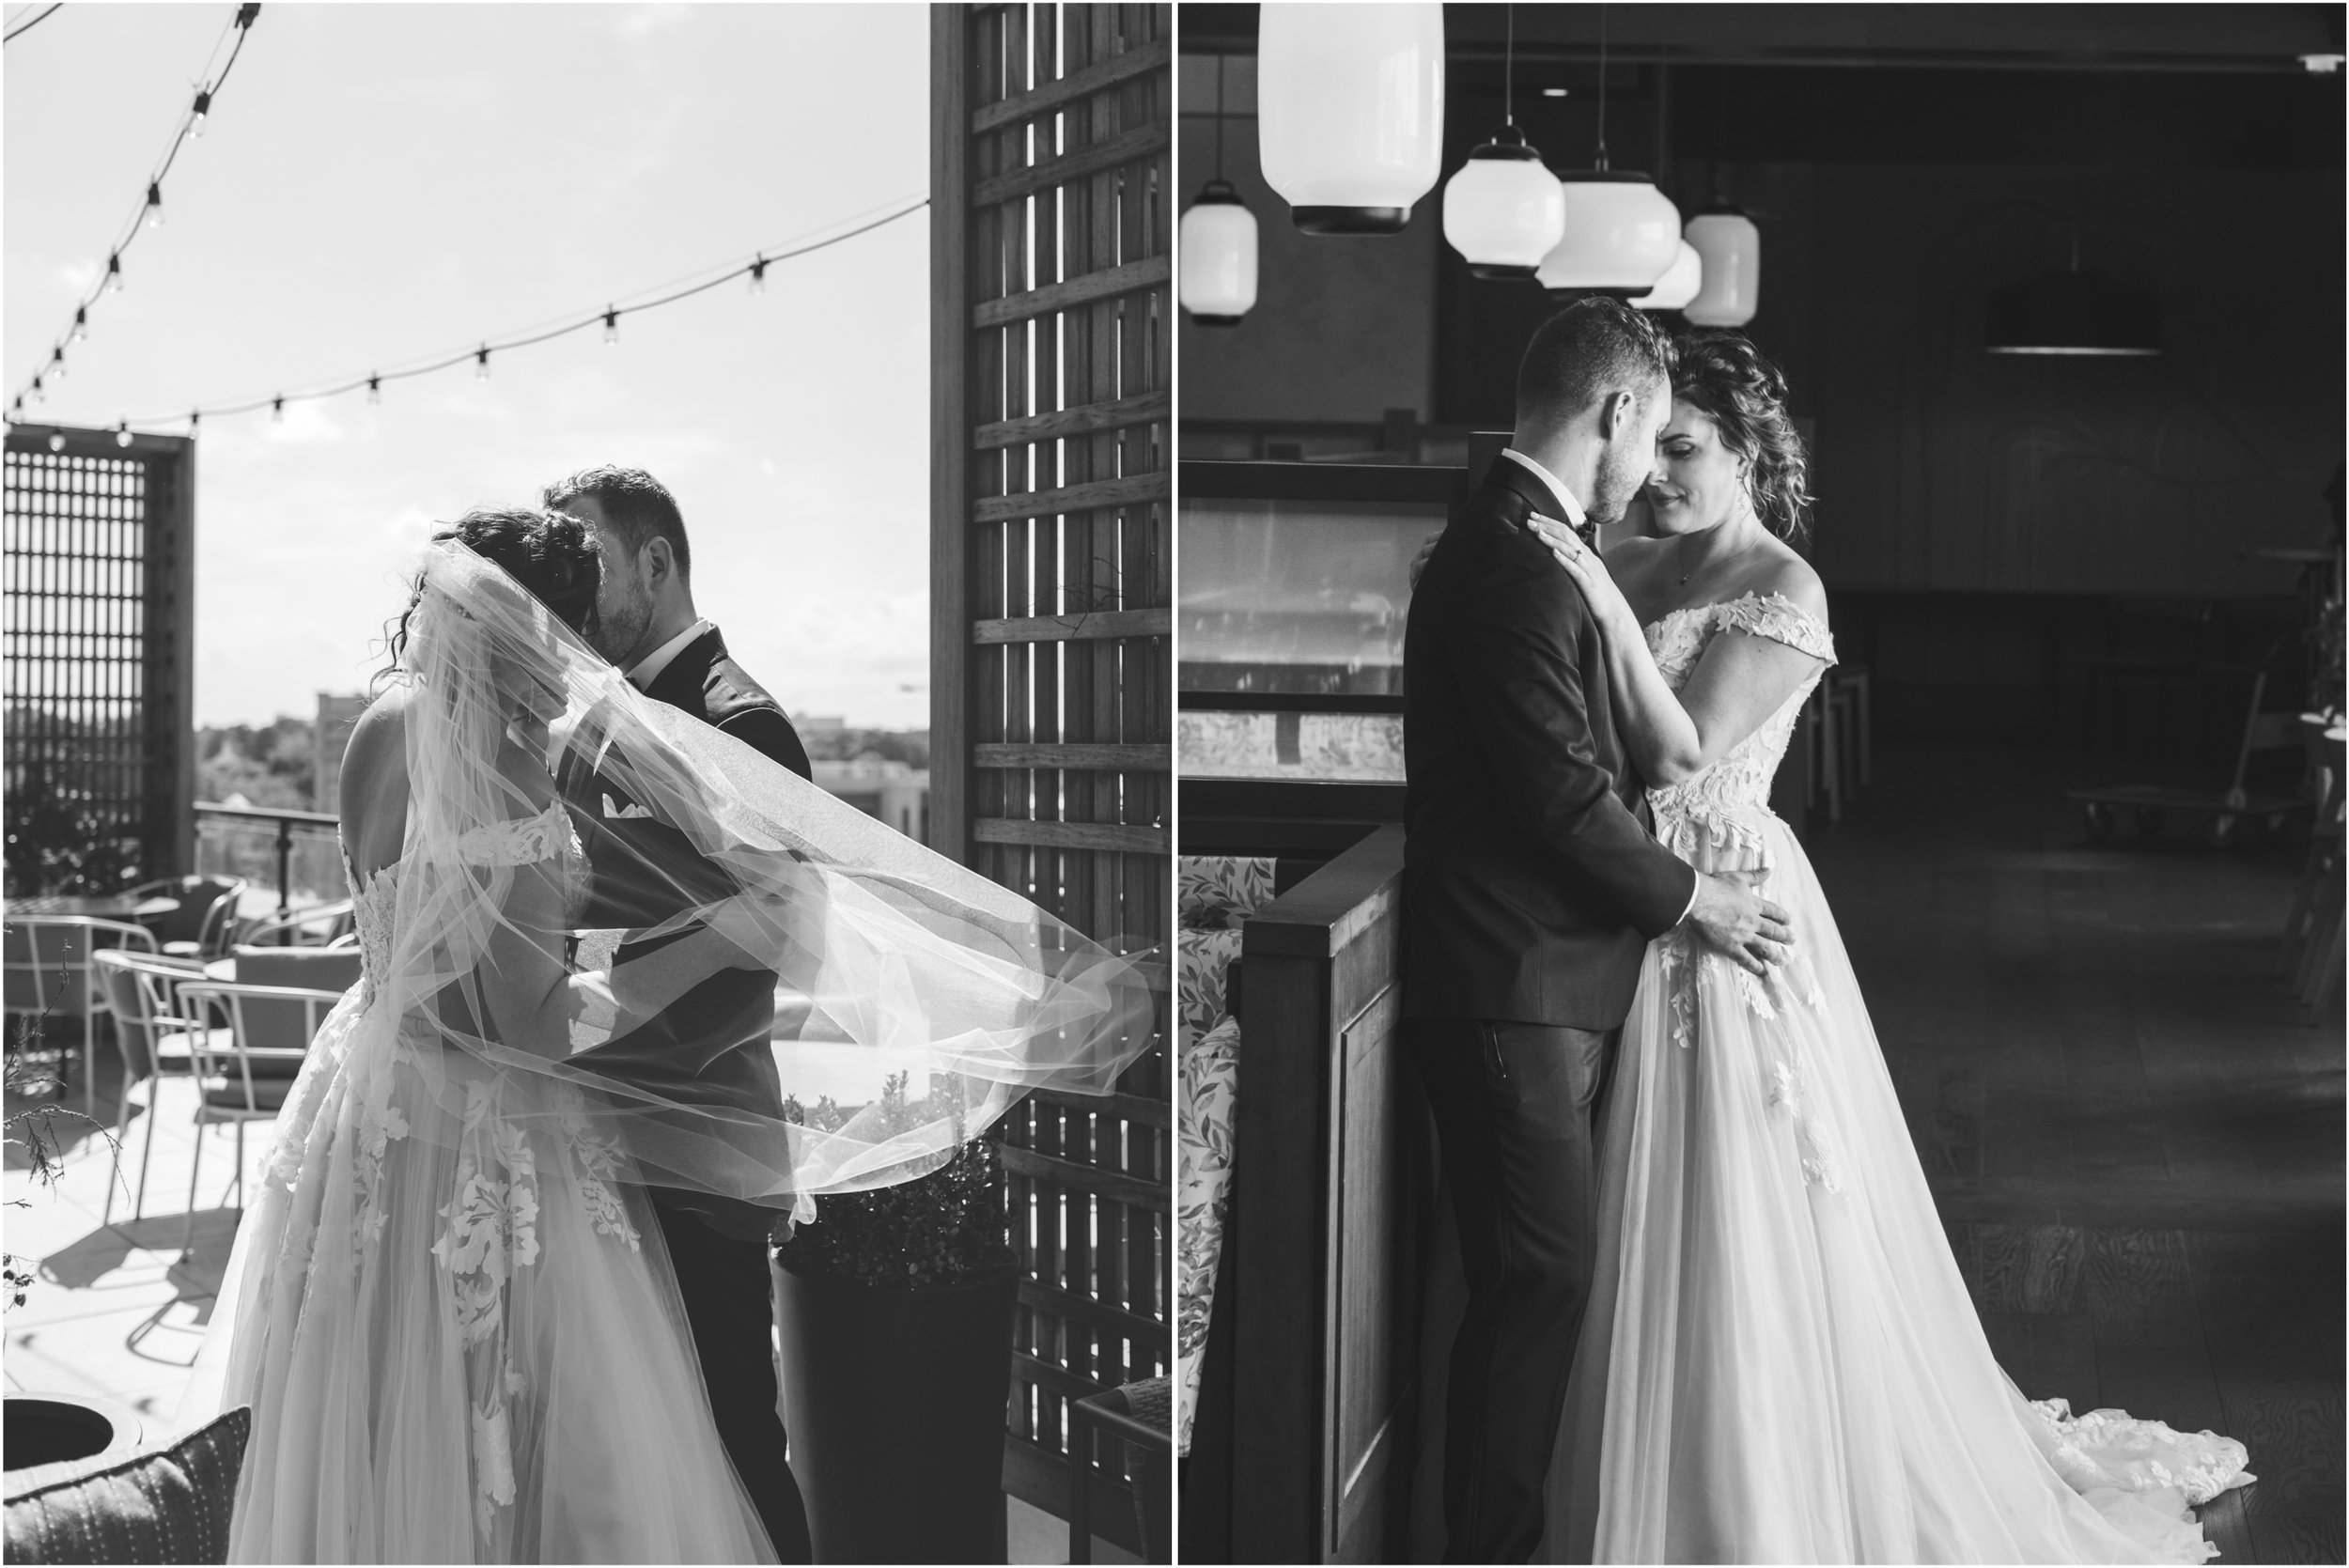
381	181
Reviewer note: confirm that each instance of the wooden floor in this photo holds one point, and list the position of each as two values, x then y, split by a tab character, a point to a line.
2135	1140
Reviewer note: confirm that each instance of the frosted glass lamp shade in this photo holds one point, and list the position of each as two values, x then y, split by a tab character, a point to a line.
1678	284
1732	249
1350	111
1503	212
1217	244
1622	234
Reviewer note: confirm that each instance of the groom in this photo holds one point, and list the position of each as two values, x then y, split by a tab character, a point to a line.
647	627
1530	889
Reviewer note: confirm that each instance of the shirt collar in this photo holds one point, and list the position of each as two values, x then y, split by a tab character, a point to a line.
647	670
1569	509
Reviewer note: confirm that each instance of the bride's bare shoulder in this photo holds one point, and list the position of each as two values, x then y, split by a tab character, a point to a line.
1786	574
375	762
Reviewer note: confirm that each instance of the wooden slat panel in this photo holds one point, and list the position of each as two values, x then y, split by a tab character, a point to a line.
1088	1178
1086	419
1090	755
1138	61
1132	278
1082	627
1093	495
1135	145
1100	1313
1132	1109
1117	838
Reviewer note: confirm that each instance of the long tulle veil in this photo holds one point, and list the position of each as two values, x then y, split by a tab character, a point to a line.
730	935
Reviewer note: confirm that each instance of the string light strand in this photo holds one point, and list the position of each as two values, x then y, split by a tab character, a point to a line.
151	201
481	351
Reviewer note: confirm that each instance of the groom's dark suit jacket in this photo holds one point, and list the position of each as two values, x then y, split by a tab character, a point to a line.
673	1054
1531	884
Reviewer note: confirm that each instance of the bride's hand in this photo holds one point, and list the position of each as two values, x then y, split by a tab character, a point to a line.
1608	606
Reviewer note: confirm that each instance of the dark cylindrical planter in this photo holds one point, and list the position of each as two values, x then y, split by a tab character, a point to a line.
49	1429
895	1401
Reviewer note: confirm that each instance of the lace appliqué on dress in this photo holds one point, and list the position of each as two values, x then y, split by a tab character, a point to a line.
520	841
2111	1447
1714	821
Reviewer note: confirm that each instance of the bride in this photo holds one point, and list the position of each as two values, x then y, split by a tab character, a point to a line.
1780	1362
449	1306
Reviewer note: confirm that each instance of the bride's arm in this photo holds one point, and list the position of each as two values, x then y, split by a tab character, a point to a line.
1737	685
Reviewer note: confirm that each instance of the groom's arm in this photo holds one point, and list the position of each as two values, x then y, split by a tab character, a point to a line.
1522	683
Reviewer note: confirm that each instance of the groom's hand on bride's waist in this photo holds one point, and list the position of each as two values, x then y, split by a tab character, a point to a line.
1743	926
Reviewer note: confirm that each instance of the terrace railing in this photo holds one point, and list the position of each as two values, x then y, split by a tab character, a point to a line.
299	853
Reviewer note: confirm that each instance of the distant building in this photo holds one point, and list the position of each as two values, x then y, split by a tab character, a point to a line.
894	793
328	739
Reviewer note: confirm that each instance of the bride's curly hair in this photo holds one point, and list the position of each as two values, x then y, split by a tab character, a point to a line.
1726	376
556	557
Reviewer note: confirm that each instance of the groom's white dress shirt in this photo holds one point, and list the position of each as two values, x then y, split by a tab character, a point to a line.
1569	512
647	670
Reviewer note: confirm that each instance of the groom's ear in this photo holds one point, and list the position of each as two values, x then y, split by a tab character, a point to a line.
660	562
1617	411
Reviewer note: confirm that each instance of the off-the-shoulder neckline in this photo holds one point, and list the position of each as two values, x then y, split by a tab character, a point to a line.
1740	598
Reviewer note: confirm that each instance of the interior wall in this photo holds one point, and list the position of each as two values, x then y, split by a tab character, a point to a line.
1343	328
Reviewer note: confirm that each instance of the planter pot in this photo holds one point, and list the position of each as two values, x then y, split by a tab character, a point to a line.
49	1429
895	1402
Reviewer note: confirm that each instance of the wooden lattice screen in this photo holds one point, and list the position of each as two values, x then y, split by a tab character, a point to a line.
97	652
1050	595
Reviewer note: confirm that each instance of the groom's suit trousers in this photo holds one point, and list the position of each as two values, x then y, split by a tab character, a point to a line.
1514	1108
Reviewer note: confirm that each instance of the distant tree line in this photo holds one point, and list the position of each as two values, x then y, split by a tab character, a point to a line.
270	765
910	747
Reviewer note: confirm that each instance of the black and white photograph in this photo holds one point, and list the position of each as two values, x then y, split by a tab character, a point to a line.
588	595
1759	744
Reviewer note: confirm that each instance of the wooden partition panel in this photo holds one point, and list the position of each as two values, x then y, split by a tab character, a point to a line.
1334	1198
1050	606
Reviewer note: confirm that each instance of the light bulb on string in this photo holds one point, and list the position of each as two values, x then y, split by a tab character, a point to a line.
38	395
195	417
154	204
758	276
202	107
122	433
56	364
81	324
113	273
375	392
610	329
56	444
481	364
277	410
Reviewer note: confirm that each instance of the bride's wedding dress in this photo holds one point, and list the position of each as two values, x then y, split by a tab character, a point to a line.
1780	1362
448	1304
460	1340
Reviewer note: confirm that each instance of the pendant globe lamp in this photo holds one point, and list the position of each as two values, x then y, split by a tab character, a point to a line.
1503	212
2074	312
1622	233
1350	111
1679	284
1217	244
1731	248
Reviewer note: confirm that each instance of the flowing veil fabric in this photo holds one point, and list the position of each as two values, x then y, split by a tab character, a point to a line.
1781	1362
613	944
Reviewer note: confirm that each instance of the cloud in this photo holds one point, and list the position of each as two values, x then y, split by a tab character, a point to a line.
635	23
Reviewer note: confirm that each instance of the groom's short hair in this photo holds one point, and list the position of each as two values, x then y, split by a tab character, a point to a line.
636	503
1593	347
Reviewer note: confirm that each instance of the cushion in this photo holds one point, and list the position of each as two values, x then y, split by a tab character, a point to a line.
1218	891
165	1502
1201	960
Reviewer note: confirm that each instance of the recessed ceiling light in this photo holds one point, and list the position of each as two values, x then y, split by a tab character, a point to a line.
1561	92
2323	65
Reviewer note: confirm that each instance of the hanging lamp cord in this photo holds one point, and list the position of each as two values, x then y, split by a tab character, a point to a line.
1602	88
1509	69
1218	116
